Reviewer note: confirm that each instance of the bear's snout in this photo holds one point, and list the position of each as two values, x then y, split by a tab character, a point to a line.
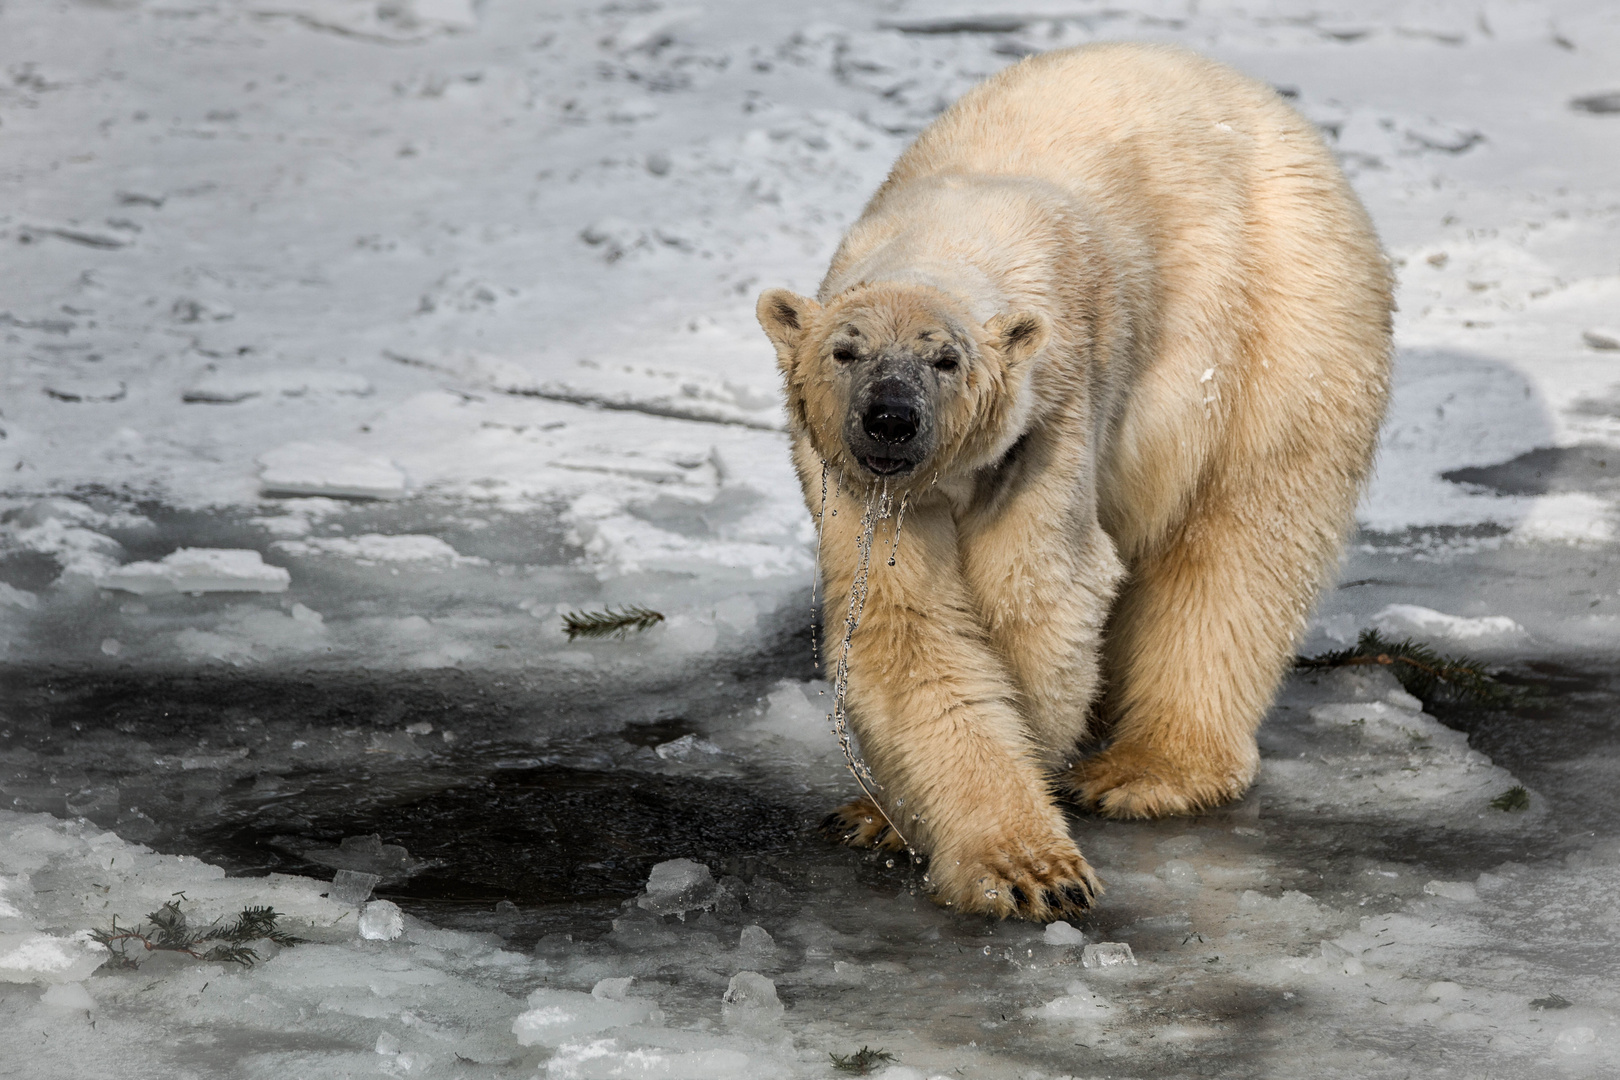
888	428
890	419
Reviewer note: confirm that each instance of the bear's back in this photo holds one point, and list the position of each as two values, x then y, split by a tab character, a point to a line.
1176	148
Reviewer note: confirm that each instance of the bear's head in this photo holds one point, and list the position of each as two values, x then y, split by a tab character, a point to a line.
899	382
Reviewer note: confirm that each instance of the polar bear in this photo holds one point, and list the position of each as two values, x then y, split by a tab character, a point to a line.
1115	336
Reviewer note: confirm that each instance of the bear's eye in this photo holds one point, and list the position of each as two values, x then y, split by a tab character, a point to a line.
844	354
946	361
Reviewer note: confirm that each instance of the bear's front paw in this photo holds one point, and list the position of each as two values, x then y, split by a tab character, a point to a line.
1126	782
861	824
1041	884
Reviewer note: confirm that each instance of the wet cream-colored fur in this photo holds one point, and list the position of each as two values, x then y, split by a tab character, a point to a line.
1170	323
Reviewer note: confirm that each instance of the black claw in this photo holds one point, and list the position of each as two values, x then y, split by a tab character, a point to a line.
1052	899
836	827
1078	895
1019	897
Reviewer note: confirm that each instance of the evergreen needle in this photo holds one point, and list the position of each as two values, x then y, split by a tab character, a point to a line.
1424	673
862	1061
1514	800
609	623
168	930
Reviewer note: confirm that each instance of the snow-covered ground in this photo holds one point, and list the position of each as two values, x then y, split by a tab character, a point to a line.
347	343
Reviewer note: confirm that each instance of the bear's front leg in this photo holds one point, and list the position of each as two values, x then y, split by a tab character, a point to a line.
957	775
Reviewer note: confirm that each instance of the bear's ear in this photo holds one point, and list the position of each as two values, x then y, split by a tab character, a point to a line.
785	316
1018	335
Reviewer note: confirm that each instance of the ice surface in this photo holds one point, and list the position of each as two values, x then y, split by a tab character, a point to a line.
497	359
329	468
1426	624
371	548
198	570
217	389
555	1017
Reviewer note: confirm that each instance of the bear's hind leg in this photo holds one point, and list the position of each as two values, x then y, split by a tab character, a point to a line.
1202	635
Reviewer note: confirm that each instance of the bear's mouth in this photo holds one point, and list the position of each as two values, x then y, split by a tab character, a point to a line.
885	466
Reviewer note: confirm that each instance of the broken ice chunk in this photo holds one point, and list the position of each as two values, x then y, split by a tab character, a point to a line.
1107	954
352	886
1411	620
678	886
329	468
613	989
750	1002
381	920
88	388
687	748
756	939
1061	933
555	1016
222	388
1575	1040
366	854
1461	891
47	959
198	570
1179	874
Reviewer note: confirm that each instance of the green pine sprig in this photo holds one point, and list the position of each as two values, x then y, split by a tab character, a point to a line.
1424	673
168	930
862	1061
609	623
1515	800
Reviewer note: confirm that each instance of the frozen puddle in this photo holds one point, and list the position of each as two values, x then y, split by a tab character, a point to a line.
650	901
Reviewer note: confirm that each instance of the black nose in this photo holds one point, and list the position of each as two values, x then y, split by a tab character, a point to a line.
890	420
